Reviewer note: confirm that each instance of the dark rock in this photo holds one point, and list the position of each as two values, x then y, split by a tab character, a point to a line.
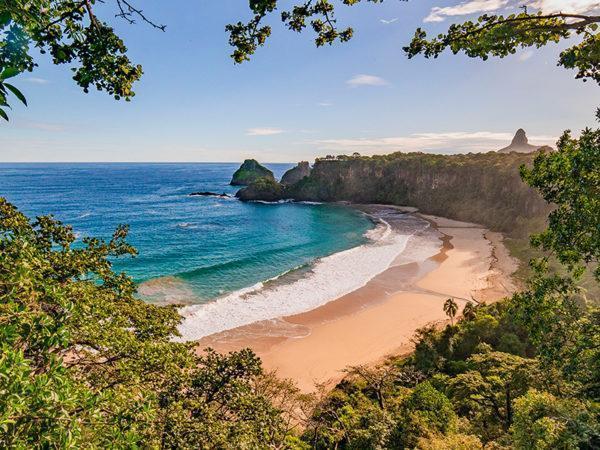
209	194
520	144
296	174
250	171
265	189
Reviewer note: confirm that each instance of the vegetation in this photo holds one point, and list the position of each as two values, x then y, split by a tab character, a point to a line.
521	373
249	172
484	188
264	189
450	308
84	363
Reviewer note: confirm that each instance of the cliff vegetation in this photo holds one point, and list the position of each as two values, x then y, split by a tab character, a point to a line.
484	188
251	170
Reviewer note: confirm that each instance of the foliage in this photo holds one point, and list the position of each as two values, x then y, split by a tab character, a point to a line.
543	421
250	171
263	188
494	35
84	363
450	442
570	179
446	351
247	37
425	412
450	308
486	391
70	32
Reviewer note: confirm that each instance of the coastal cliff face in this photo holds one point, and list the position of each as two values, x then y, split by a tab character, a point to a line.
250	171
484	188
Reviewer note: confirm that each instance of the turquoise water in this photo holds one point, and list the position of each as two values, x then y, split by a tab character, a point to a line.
214	246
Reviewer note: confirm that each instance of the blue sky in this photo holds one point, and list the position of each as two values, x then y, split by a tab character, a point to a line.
294	101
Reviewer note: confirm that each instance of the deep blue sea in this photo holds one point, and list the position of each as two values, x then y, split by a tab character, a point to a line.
199	247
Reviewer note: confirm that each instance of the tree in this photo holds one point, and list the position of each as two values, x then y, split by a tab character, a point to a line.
450	308
570	179
563	325
426	412
495	35
83	362
488	390
71	33
543	421
469	312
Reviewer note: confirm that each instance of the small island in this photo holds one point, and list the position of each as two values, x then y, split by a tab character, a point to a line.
250	171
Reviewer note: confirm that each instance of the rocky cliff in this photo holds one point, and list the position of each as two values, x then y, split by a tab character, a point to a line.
295	174
250	171
485	188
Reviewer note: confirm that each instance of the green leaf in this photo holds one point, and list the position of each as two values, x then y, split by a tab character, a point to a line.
4	18
17	93
3	115
9	72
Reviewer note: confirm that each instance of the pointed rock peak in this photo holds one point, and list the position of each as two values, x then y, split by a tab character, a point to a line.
520	144
520	138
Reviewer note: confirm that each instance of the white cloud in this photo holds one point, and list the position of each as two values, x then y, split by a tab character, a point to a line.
388	22
566	6
366	80
36	80
439	14
325	104
449	142
466	7
266	131
524	56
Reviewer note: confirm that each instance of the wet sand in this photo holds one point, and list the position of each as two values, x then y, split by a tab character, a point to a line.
380	318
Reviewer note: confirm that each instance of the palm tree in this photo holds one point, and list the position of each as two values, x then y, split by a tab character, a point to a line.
469	311
450	308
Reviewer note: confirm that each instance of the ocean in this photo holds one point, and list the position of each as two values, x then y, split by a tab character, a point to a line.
232	262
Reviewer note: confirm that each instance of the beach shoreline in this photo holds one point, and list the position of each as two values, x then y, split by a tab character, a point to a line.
380	318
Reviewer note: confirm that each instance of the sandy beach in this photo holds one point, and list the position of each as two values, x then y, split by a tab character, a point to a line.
380	318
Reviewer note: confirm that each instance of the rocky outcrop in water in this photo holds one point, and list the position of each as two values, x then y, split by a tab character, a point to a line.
209	194
520	144
296	174
250	171
265	189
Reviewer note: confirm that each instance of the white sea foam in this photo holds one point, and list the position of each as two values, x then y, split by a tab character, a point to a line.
331	277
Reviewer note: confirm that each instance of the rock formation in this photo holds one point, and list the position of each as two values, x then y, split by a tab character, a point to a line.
209	194
484	188
297	173
520	144
250	171
265	189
